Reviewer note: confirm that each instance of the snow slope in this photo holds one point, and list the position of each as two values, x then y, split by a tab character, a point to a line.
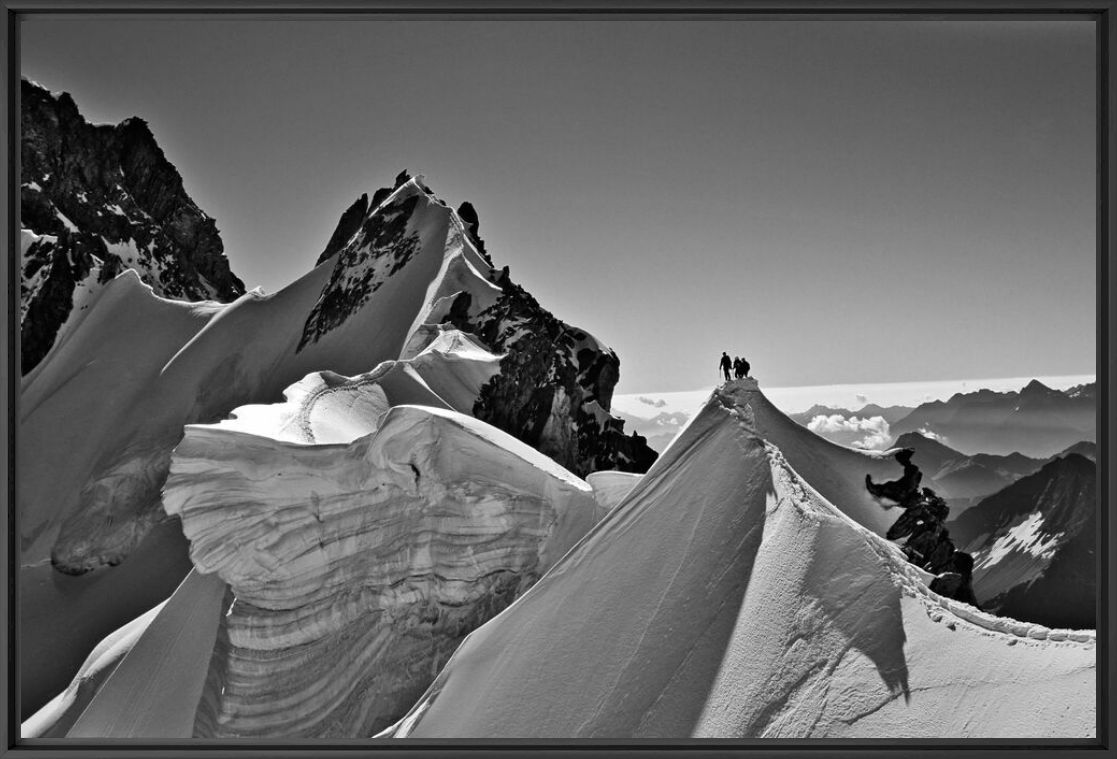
836	471
725	596
358	564
144	679
610	488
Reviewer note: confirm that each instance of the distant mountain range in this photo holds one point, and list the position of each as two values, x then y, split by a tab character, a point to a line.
1033	545
1037	421
890	414
963	480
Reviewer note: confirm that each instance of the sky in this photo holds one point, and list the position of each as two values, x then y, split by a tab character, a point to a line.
840	200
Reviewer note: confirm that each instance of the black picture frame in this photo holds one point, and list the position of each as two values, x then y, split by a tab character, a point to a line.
1103	14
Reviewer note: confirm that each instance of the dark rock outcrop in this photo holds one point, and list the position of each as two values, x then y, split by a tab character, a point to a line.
95	200
903	490
550	371
555	384
927	542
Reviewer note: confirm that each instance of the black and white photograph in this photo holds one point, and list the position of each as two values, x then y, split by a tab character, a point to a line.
556	376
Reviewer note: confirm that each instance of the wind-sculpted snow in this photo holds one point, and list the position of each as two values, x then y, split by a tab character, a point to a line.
725	597
358	567
132	369
326	407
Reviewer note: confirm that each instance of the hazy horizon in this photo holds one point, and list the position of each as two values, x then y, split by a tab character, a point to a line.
851	396
841	201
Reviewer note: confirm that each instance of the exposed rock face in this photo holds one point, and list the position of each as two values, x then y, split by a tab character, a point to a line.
358	566
556	381
555	384
95	200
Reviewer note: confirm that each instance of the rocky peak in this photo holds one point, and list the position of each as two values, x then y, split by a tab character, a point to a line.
1036	389
555	384
98	199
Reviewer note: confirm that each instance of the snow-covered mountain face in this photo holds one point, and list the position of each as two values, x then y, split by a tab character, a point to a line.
1033	545
555	383
95	200
1037	421
133	369
727	597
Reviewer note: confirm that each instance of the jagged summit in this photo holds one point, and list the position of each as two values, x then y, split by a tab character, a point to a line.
94	201
547	364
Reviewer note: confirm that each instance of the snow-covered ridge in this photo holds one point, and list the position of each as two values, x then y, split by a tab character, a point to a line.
727	597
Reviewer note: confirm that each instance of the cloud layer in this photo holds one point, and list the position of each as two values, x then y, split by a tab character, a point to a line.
870	432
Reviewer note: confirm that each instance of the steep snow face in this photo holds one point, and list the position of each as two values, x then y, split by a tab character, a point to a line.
144	679
357	568
59	714
610	488
163	671
725	597
98	200
838	473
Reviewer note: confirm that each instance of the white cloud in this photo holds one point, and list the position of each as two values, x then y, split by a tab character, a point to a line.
931	435
870	432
